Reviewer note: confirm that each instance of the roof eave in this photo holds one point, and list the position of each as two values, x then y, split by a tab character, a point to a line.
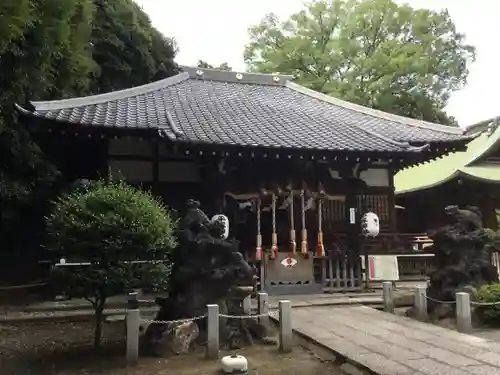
478	156
450	177
374	112
109	96
23	111
459	173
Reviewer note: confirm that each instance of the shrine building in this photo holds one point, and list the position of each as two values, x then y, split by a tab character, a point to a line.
293	169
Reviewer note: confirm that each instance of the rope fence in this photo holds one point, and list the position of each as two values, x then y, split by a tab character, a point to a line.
213	316
462	302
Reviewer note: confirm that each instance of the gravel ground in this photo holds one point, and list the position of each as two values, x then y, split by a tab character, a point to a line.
51	348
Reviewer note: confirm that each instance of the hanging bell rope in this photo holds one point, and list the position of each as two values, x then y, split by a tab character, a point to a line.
303	243
320	249
293	243
258	246
274	235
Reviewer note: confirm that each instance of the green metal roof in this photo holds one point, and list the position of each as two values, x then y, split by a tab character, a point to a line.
458	164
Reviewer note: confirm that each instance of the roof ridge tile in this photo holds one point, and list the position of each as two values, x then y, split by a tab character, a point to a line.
374	112
265	79
109	96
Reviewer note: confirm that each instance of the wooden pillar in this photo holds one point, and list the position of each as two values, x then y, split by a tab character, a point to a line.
105	171
391	201
352	224
220	182
156	165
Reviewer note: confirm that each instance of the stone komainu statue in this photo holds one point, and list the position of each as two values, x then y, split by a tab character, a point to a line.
462	258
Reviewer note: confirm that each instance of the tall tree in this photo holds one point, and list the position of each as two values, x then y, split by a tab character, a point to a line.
52	49
41	57
372	52
222	66
14	16
127	49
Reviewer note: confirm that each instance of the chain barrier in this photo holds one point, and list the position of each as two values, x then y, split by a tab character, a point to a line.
438	301
250	316
271	313
474	303
185	320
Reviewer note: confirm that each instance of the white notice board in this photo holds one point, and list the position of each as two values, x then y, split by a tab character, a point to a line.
382	267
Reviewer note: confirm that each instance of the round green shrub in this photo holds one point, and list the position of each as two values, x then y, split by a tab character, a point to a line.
489	293
115	218
112	226
125	234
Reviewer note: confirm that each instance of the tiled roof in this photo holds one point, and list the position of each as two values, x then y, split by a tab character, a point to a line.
216	107
462	164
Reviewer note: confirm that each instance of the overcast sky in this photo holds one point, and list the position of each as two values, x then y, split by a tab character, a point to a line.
216	31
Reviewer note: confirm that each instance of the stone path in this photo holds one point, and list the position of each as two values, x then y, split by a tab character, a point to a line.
118	302
78	309
74	311
388	344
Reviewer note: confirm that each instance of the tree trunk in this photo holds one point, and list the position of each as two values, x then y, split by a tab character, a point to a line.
99	310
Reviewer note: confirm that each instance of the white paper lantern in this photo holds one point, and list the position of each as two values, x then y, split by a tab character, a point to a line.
225	222
370	224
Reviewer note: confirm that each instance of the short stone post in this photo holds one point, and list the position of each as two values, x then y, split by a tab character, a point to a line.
247	305
388	296
213	332
463	314
286	333
133	321
420	303
263	304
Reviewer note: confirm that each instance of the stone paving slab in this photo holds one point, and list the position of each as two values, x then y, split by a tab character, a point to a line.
388	344
72	311
147	301
307	301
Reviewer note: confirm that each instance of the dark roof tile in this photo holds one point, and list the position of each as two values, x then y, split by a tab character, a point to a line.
248	110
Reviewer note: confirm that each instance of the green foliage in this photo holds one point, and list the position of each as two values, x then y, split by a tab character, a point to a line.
53	49
111	223
223	66
127	49
42	56
490	293
372	52
111	226
14	16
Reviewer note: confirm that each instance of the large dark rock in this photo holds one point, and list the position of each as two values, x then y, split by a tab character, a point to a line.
207	270
462	258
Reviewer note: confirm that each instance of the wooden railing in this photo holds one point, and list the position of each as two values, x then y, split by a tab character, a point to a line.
398	243
390	243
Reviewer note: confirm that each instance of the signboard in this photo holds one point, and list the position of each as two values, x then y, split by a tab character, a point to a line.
352	215
382	267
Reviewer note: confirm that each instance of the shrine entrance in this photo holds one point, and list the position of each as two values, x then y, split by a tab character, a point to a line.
287	275
335	271
290	248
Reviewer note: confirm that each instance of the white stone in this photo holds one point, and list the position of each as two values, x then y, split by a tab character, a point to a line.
234	364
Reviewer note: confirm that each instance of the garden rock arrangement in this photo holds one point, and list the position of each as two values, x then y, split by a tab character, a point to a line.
207	269
462	259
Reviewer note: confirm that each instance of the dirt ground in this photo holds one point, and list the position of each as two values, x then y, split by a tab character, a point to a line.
52	348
